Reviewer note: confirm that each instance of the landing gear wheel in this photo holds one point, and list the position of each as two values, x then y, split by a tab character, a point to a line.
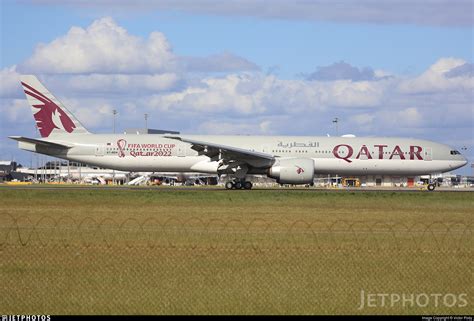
248	185
431	187
229	185
238	185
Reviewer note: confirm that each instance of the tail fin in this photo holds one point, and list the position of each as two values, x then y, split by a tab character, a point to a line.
51	116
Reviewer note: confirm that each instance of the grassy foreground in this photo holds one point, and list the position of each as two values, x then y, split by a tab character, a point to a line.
67	251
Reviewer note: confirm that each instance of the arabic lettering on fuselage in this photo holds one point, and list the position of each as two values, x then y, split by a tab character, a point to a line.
298	145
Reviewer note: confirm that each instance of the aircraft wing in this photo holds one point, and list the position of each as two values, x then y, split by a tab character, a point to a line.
39	142
227	153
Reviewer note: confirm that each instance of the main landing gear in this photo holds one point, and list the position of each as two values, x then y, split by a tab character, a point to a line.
238	184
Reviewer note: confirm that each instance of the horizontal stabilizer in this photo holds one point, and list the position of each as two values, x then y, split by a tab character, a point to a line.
39	142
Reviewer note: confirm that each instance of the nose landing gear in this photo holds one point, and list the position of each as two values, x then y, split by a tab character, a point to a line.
431	184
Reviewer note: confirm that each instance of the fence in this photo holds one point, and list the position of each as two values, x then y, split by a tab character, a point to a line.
169	265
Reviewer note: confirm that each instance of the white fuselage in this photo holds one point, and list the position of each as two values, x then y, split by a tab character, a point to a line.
331	155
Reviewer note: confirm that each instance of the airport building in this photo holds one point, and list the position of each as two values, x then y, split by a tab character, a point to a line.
10	170
70	172
446	179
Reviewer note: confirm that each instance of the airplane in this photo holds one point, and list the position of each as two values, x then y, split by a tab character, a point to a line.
287	159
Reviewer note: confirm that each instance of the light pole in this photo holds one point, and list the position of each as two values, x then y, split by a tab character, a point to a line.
113	171
114	112
336	121
146	123
464	151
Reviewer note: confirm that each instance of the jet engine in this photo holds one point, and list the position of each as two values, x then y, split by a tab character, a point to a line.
293	171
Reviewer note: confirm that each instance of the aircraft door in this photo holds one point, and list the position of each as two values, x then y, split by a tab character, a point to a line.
99	150
428	154
181	150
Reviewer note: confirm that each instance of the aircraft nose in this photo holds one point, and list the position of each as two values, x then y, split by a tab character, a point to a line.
458	162
462	161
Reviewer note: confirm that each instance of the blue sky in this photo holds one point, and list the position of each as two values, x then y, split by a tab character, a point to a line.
294	46
246	67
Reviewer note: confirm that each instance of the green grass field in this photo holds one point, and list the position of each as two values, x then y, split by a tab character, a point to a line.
121	251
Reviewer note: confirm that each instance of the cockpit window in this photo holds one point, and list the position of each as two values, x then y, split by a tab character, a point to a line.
455	152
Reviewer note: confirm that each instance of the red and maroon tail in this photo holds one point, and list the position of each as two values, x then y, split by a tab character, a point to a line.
51	116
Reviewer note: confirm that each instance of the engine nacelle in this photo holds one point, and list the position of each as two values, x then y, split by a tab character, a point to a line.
293	171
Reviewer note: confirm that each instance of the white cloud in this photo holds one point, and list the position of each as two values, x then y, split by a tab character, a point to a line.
355	94
342	71
363	119
17	111
92	113
444	65
215	95
379	73
464	70
265	126
235	128
409	116
9	82
436	79
222	62
122	84
102	47
257	94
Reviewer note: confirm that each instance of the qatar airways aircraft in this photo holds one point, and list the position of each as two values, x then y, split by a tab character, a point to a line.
288	159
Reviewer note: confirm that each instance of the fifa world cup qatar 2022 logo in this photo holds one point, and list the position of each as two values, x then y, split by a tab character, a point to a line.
121	144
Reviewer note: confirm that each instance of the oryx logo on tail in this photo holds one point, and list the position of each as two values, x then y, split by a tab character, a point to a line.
49	115
52	117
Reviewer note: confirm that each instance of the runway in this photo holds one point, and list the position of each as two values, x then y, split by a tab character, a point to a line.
222	189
